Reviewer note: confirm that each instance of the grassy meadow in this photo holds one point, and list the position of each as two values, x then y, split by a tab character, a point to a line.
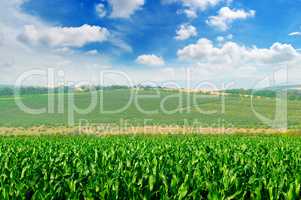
206	110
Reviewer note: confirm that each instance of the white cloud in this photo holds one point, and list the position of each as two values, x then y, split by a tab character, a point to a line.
190	13
192	7
246	72
63	50
295	34
100	10
92	52
23	57
200	4
234	55
17	57
244	65
151	60
63	36
226	16
125	8
185	31
116	41
222	39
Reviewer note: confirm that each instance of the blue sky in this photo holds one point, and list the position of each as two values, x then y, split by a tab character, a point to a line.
155	23
219	40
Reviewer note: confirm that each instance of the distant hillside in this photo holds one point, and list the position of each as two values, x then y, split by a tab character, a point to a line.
10	90
283	87
169	108
294	91
7	90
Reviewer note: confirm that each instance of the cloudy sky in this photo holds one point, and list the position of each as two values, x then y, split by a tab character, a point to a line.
146	41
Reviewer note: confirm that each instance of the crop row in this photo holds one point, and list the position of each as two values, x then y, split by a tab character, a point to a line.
140	167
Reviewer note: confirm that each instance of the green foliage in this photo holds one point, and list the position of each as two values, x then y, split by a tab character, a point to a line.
292	94
30	90
263	93
159	167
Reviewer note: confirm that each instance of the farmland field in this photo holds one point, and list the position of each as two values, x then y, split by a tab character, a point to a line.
150	167
150	99
207	110
66	165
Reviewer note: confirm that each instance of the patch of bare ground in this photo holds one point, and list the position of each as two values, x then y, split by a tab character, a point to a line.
147	130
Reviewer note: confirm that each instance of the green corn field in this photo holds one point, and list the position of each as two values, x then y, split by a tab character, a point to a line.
150	167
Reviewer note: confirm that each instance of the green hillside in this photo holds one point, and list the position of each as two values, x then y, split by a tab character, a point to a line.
237	109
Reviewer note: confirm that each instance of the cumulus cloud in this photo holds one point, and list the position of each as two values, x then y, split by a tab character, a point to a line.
234	55
190	13
222	39
192	7
125	8
244	65
63	36
63	50
23	57
100	10
295	34
226	16
151	60
92	52
185	31
17	57
200	4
